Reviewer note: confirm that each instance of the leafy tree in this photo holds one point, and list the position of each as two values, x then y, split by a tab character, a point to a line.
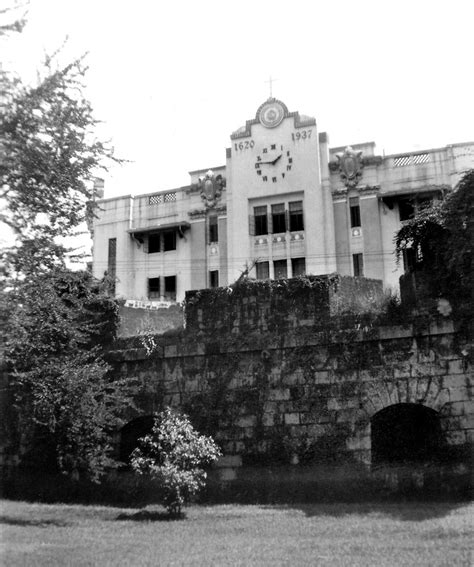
49	158
175	454
443	234
56	322
66	406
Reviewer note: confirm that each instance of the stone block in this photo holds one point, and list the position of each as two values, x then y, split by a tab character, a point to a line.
456	366
469	435
359	443
314	431
395	332
402	372
227	474
268	419
454	409
292	418
466	421
334	404
327	417
171	351
457	437
308	417
279	394
246	421
345	416
456	381
239	446
439	369
363	456
249	432
442	327
457	394
322	377
292	379
233	461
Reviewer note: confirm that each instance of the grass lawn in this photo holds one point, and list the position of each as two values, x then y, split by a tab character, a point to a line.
350	535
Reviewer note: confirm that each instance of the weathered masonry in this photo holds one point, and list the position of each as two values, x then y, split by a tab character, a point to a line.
282	377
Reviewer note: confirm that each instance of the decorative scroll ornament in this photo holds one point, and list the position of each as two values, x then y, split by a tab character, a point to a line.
211	186
350	167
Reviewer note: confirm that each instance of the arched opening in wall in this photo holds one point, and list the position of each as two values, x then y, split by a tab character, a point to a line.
406	433
131	433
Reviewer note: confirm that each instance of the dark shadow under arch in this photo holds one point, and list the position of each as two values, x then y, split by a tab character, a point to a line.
406	434
131	433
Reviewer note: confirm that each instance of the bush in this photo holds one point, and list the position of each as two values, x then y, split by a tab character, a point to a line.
174	454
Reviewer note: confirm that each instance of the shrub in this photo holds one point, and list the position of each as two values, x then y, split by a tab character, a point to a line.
175	454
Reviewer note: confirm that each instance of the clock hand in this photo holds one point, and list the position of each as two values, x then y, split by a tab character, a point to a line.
272	162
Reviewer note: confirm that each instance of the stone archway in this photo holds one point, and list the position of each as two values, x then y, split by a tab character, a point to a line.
406	433
131	433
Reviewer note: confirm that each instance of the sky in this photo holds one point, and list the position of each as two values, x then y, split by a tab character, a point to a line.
172	80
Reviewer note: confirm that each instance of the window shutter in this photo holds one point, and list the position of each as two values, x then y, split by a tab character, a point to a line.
270	223
251	225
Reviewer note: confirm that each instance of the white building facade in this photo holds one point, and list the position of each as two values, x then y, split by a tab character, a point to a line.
284	204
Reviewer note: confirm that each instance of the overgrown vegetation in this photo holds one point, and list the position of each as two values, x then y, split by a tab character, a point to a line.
175	455
56	322
442	236
66	407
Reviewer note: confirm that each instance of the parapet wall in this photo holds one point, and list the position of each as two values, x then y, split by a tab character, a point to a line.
278	305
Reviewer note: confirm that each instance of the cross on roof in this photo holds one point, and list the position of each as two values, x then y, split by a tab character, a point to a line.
270	82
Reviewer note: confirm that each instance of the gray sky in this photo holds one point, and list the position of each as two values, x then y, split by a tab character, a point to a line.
172	80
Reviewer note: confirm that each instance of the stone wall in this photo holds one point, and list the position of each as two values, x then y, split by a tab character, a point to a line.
278	305
294	386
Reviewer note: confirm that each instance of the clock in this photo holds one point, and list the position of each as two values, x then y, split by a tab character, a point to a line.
273	163
271	114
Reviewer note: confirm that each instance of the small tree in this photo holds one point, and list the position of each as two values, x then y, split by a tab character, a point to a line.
175	454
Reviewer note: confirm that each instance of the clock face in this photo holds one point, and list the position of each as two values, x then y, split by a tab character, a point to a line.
271	114
273	163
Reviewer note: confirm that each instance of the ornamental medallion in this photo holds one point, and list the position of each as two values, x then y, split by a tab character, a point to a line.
350	167
271	114
211	186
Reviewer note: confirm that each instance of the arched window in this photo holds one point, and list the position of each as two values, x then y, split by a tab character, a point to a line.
131	433
406	433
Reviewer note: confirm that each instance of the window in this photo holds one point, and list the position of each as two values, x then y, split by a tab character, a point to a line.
410	206
214	278
355	212
154	245
260	215
280	269
298	266
153	288
296	215
112	257
112	263
169	240
170	288
358	263
409	259
213	229
278	218
406	208
263	270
